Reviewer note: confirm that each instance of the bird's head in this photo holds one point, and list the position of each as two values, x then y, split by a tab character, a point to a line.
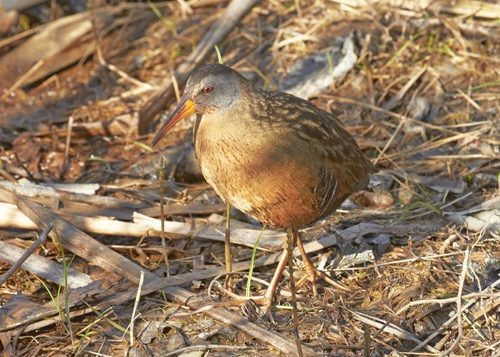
210	88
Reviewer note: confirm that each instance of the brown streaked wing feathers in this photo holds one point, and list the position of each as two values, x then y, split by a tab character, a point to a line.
345	168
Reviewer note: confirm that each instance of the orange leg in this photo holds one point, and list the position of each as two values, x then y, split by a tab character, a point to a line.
271	290
313	274
266	300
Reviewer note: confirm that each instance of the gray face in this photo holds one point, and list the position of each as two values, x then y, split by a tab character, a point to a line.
213	86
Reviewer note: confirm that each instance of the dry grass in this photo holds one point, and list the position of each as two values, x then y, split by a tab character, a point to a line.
423	101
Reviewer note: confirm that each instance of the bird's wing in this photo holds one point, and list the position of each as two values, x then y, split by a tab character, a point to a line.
324	133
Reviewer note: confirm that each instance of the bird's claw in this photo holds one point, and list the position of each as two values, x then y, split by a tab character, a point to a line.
313	275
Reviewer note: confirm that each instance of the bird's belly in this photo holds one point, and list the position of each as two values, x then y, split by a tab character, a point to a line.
275	191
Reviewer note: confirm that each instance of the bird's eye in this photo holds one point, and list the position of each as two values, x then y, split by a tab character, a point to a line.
207	90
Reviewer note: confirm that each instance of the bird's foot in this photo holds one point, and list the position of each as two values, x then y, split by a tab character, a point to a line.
237	300
253	307
258	309
313	275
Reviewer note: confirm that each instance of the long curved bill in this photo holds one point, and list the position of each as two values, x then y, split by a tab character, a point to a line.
185	108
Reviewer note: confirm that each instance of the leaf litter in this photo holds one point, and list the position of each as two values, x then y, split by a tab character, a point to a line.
420	96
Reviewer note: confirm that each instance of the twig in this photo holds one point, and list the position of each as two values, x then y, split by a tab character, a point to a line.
34	190
394	115
205	347
442	302
175	85
394	101
465	266
39	241
67	303
162	214
227	249
409	260
367	341
134	310
289	251
470	101
390	328
451	319
483	206
19	4
442	207
67	146
22	79
43	267
389	142
12	217
468	8
462	157
79	242
119	72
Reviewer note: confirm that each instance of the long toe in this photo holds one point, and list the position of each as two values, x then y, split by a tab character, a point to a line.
313	275
257	309
332	282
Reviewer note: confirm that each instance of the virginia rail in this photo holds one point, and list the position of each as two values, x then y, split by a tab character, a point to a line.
272	155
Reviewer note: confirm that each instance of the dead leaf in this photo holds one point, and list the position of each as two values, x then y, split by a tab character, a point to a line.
382	200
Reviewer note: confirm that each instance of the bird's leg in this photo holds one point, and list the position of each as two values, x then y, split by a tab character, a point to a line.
313	274
271	290
265	300
227	250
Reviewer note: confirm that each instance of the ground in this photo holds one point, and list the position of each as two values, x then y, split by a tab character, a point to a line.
420	96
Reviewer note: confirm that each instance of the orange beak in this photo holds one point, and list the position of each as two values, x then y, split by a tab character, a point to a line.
185	108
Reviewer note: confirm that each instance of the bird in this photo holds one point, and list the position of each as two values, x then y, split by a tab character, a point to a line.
275	157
